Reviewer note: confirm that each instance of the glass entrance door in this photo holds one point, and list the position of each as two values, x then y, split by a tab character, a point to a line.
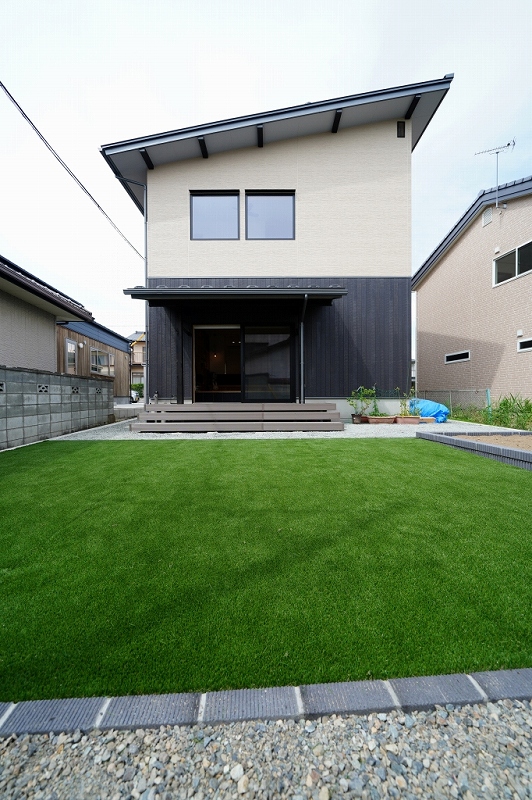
267	365
217	364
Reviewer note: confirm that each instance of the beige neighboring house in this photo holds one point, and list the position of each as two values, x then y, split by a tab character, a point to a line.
38	400
279	248
29	310
474	300
137	342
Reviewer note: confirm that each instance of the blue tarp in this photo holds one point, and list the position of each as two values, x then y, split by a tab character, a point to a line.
428	408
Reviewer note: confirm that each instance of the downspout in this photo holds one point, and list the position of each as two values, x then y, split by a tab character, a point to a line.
302	351
146	311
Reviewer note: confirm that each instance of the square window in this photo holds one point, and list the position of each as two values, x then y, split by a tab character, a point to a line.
505	267
270	215
214	216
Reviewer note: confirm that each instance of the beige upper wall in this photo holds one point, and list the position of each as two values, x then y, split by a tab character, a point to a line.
459	308
353	208
27	335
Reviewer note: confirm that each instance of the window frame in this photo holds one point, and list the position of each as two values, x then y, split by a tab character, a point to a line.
214	193
110	362
271	193
67	343
448	360
515	251
521	349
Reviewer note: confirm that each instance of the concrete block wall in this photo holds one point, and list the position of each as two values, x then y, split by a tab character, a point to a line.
38	405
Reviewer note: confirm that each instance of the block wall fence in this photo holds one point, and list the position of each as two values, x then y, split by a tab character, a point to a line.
37	405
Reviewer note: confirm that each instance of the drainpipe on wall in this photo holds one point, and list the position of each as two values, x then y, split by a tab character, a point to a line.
146	307
302	351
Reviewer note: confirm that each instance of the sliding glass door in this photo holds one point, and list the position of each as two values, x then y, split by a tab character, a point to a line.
267	365
237	363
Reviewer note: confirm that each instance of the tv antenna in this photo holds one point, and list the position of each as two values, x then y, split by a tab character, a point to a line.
496	151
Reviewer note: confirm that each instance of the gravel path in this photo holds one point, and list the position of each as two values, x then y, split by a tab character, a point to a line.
482	751
120	430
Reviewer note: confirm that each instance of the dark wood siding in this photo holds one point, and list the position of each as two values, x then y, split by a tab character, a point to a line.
360	339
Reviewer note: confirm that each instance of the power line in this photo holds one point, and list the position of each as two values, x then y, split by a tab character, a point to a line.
67	168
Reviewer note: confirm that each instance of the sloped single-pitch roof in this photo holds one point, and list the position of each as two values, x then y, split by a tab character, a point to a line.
22	284
132	158
505	192
93	330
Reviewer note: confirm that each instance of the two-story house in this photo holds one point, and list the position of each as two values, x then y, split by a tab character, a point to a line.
474	301
279	248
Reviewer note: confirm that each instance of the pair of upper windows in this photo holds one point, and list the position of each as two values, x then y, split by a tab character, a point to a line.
216	215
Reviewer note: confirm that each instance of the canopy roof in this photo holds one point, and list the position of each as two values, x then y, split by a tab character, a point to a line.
132	158
324	294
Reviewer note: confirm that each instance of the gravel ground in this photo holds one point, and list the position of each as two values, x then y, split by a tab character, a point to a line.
481	751
120	430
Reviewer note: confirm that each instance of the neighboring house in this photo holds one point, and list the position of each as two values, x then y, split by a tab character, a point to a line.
29	310
37	401
137	342
279	248
474	300
87	348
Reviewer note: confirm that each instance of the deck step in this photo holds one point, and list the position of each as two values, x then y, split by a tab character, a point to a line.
243	417
228	427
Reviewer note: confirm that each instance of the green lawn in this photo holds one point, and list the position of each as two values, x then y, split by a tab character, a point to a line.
139	567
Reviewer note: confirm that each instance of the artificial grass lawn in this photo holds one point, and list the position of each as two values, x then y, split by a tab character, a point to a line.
140	567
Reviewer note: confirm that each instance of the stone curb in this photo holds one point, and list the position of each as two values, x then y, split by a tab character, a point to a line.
505	455
287	702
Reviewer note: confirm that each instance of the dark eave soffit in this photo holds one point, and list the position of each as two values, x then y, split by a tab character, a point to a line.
210	293
131	158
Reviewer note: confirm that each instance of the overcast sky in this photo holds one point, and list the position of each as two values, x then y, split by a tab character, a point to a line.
89	73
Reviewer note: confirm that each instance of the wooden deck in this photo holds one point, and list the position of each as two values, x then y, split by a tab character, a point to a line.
237	417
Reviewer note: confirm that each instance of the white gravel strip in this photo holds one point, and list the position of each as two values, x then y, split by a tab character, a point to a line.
120	430
480	751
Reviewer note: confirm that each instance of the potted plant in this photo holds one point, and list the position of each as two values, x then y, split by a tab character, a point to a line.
408	410
360	401
377	417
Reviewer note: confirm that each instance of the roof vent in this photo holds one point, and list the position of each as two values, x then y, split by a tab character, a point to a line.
487	216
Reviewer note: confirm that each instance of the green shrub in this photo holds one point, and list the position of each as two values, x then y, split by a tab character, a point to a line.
138	387
512	411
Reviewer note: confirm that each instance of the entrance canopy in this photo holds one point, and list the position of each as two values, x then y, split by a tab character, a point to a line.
184	292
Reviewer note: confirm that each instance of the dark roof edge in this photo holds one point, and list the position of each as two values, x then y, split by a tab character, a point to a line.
25	280
506	191
102	328
143	293
210	127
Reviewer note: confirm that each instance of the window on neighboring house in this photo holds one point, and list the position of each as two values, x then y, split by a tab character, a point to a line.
524	345
214	215
463	355
102	362
143	355
270	214
514	263
71	357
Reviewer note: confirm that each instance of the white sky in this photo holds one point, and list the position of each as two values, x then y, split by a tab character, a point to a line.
89	73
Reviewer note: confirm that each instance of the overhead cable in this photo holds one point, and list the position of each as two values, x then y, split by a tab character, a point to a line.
67	168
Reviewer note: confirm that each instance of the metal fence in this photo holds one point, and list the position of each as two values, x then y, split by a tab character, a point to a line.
479	398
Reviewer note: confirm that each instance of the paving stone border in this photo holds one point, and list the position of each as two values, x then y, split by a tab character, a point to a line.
506	455
287	702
